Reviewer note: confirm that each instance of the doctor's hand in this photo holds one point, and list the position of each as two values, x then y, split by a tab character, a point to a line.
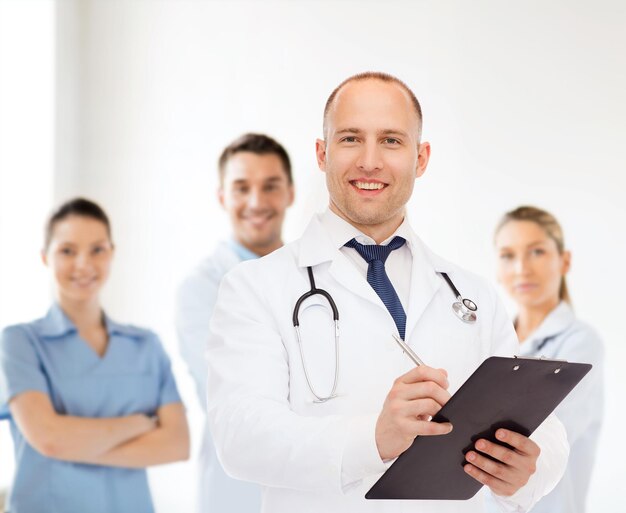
414	398
512	468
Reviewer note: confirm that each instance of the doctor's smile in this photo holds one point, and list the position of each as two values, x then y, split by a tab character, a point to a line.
368	185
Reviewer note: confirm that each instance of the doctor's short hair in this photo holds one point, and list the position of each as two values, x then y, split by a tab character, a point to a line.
80	207
259	144
549	224
383	77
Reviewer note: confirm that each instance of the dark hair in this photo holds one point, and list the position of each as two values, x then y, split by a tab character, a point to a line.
260	144
383	77
75	207
549	224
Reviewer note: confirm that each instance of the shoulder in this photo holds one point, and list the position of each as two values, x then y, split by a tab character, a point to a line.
264	281
136	333
277	259
582	342
210	270
20	341
469	284
20	332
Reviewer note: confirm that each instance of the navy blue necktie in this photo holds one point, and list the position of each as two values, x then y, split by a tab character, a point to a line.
376	256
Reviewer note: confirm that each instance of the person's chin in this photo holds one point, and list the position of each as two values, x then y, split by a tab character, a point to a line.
82	294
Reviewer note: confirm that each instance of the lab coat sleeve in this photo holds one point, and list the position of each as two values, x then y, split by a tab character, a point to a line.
194	303
258	437
550	435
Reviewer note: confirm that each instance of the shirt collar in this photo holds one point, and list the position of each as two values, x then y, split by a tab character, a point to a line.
557	321
241	251
57	324
341	231
126	330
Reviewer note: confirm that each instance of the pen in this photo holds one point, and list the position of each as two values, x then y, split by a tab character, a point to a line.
416	359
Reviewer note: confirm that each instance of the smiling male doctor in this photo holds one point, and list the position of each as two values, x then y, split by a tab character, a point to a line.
323	457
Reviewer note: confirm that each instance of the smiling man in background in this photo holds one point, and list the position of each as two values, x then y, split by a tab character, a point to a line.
256	188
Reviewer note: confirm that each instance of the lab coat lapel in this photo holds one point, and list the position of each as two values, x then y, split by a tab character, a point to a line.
342	270
424	282
316	248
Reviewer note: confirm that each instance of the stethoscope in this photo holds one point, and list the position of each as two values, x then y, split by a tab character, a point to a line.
465	309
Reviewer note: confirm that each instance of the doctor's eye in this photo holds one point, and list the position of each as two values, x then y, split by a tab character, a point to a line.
241	189
349	139
66	251
538	252
98	250
392	141
506	256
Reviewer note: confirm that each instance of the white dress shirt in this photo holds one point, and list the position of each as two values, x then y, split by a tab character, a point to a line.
399	261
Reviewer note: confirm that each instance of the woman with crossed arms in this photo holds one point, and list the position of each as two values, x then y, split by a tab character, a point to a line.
93	402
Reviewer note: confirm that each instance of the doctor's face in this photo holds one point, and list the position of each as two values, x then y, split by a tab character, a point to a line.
256	193
372	155
530	267
79	257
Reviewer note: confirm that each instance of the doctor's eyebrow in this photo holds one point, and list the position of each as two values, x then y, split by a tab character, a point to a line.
536	243
386	131
349	131
393	131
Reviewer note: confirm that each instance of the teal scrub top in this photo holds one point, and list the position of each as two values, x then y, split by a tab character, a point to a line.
133	376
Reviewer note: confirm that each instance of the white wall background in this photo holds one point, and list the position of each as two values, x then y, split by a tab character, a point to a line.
523	103
27	43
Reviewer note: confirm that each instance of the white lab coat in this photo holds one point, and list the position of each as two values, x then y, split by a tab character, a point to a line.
323	457
216	492
562	336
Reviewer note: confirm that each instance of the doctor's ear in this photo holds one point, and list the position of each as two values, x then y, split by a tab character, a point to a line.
44	257
566	258
220	196
320	153
423	156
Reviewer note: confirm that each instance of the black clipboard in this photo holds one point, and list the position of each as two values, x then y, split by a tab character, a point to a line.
512	393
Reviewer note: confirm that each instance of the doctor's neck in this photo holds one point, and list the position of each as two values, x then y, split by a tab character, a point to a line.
530	317
375	228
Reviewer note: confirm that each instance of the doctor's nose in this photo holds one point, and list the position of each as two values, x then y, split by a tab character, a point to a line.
254	199
82	261
522	266
370	159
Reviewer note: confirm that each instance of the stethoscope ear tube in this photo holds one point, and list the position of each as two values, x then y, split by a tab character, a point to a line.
464	308
296	324
314	290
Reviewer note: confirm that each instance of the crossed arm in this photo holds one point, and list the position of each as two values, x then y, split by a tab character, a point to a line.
133	441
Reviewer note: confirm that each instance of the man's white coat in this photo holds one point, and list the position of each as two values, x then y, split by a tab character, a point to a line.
313	457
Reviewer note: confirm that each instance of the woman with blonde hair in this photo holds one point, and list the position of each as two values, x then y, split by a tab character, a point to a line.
532	266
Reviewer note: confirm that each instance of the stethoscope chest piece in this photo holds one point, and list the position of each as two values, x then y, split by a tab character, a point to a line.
465	310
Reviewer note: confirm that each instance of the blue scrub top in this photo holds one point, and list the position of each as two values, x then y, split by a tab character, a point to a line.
133	376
